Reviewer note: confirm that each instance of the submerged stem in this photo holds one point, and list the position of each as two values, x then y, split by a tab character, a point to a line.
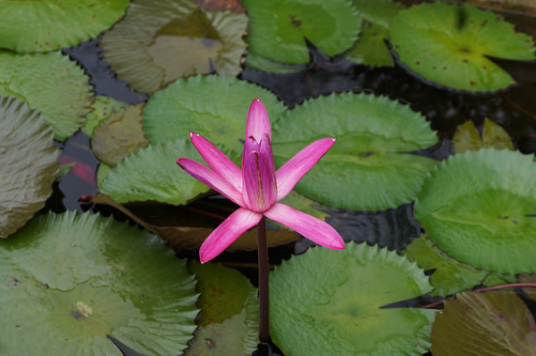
264	313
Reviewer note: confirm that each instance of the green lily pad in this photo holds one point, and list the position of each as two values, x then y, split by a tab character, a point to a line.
255	61
47	25
493	135
327	302
152	174
229	312
450	45
69	280
160	41
120	135
369	167
371	49
102	108
449	276
215	107
331	26
187	235
479	207
28	164
491	324
50	83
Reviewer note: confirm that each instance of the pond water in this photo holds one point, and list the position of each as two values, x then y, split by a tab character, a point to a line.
514	109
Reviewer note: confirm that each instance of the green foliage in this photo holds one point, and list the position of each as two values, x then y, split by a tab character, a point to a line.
27	164
369	167
450	45
215	107
101	109
493	135
331	26
153	174
478	207
48	25
81	277
50	83
327	302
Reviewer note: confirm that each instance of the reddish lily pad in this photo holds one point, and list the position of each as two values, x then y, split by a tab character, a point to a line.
160	41
491	324
183	235
120	135
28	164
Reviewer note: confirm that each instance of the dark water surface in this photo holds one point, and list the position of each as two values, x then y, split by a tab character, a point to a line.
514	109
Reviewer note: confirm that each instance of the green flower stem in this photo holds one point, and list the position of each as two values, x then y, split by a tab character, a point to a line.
264	311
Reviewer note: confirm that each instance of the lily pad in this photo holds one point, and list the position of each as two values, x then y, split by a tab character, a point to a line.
160	41
450	45
181	236
449	276
28	164
229	312
215	107
47	25
491	324
50	83
331	26
334	298
152	174
102	108
371	49
370	167
493	135
82	277
120	135
479	207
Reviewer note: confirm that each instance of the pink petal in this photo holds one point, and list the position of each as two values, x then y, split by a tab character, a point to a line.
291	172
310	227
225	234
249	146
219	162
258	122
267	172
251	183
210	178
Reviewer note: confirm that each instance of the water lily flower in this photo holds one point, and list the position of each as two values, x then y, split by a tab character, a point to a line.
258	187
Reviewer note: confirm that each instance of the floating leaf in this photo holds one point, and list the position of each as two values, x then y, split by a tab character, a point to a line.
229	312
102	108
449	276
327	302
371	49
234	6
119	136
369	167
215	107
50	83
160	41
69	280
255	61
47	25
479	208
28	164
450	45
331	26
493	135
153	174
181	236
491	324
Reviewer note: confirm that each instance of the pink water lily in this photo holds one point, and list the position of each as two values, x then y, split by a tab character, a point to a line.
258	187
